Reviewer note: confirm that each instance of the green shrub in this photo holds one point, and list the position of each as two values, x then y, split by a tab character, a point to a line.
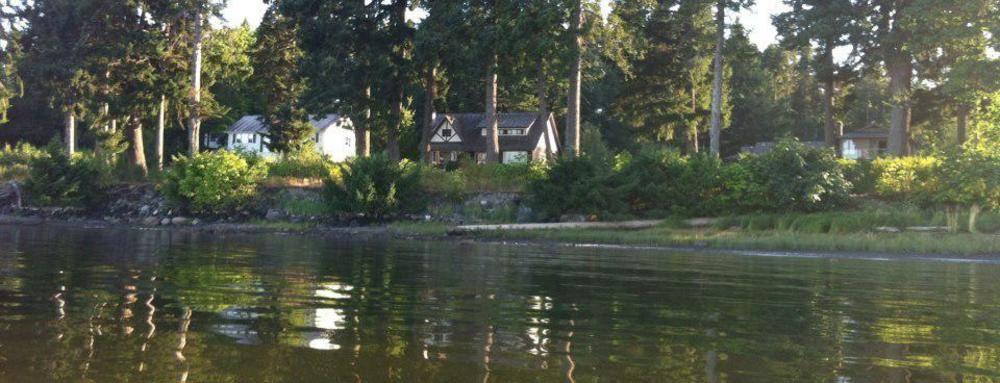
577	185
968	179
661	182
862	174
792	177
213	183
55	179
500	177
15	161
904	178
449	185
306	163
376	187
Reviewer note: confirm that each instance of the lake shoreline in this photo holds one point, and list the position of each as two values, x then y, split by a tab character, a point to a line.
440	232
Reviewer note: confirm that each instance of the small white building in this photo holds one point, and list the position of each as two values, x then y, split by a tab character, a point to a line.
333	135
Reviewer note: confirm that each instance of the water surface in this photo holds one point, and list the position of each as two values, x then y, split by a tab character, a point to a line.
89	305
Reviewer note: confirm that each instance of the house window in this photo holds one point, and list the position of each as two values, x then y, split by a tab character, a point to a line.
253	138
515	157
484	132
480	158
511	132
446	133
453	156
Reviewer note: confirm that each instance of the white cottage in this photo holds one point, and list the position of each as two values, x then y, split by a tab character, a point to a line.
333	135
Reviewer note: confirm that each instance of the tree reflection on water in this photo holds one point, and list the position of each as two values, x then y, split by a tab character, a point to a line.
91	305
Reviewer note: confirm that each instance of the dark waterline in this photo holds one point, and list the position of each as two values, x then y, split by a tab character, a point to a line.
159	306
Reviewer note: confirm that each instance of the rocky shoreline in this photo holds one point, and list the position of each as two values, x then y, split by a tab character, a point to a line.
141	205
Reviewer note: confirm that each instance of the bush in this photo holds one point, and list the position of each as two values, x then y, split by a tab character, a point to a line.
661	182
904	178
15	161
55	179
376	187
793	177
862	174
968	179
500	177
215	183
442	183
578	185
306	163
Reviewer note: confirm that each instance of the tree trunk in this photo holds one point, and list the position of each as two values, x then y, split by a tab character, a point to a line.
951	218
962	117
543	106
692	133
900	75
392	139
361	132
492	134
137	151
830	136
715	131
575	80
194	130
161	125
430	94
974	211
70	133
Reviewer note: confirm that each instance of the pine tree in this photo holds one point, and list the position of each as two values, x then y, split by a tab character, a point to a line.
276	60
718	73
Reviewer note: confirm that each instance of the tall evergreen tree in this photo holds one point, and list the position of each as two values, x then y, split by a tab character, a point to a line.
827	25
718	73
276	60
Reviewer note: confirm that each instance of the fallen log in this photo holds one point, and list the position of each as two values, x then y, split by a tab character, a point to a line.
459	230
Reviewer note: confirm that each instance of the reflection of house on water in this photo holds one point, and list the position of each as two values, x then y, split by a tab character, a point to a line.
313	327
538	329
238	325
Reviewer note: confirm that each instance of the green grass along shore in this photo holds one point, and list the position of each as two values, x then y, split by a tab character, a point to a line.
848	232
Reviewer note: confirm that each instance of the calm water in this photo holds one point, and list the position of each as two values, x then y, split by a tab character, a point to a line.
81	305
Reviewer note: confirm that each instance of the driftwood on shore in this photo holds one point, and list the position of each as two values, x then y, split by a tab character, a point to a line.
561	225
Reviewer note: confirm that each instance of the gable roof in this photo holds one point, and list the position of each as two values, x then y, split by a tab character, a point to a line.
469	127
872	133
255	124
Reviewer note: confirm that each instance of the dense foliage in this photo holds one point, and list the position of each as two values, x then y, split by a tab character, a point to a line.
15	161
55	179
304	163
376	187
213	183
578	185
661	182
793	177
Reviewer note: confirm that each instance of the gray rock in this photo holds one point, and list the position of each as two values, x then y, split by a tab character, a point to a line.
274	215
180	221
144	210
573	218
150	221
196	222
165	221
525	214
888	229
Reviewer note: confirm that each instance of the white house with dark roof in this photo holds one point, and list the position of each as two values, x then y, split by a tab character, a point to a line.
333	135
523	137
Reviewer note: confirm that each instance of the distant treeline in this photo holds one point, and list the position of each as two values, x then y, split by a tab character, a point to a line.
109	75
